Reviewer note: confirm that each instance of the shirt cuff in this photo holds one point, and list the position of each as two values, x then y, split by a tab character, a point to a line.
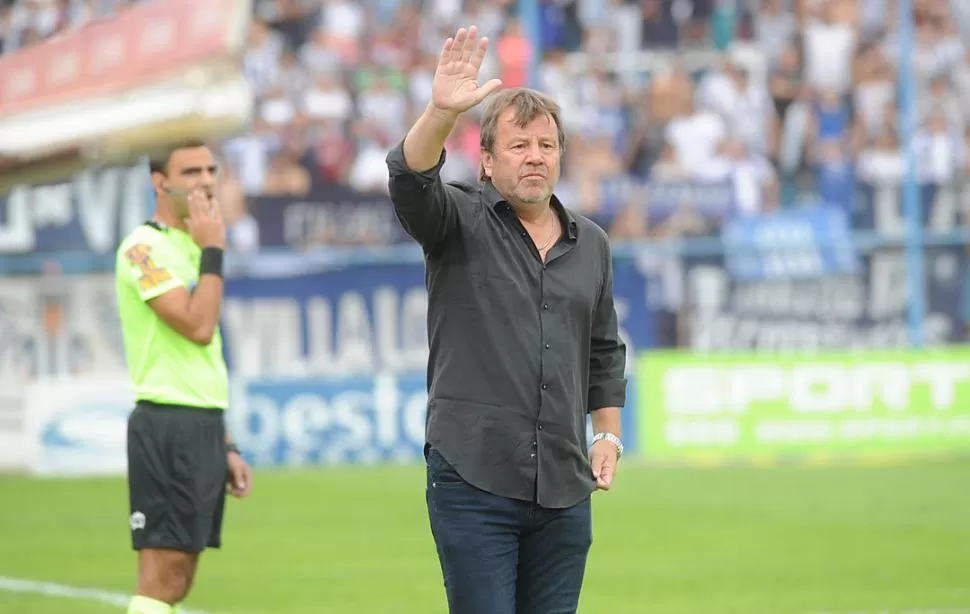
397	167
607	394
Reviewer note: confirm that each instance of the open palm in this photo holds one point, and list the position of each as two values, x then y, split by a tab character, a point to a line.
455	87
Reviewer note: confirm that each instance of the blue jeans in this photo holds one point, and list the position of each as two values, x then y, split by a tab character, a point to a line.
503	556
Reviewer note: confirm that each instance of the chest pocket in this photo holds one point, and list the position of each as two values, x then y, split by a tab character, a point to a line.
466	272
573	290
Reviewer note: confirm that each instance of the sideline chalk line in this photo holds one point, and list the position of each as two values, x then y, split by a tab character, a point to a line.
49	589
903	611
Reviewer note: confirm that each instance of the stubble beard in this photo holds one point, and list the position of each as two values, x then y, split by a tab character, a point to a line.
528	195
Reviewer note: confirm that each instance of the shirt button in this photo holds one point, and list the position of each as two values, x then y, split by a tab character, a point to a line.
545	306
545	386
539	426
547	346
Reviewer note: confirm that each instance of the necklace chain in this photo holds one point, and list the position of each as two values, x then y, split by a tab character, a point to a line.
552	235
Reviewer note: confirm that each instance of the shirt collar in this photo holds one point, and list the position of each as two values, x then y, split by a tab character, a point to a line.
493	199
176	233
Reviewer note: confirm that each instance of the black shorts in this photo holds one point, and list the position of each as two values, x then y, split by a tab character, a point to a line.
177	476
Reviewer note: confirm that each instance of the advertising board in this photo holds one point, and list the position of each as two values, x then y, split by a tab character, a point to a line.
742	405
13	449
344	420
78	425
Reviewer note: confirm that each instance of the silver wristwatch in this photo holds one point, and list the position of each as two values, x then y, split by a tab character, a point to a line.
610	437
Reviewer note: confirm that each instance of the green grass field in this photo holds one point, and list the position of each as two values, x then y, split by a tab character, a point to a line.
356	541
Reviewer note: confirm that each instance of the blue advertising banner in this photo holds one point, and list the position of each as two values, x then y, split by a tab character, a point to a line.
879	208
862	310
365	419
790	244
330	215
324	421
712	200
360	320
330	365
88	214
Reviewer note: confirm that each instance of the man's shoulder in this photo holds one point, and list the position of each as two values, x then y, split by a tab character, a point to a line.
467	188
143	234
467	196
143	238
586	226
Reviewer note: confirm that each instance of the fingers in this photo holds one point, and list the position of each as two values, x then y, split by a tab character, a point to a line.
456	47
242	482
198	205
446	51
596	462
202	206
486	90
215	210
465	47
247	481
603	464
470	45
196	209
479	54
605	478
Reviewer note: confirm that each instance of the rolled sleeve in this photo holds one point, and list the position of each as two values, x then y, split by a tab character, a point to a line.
607	356
422	203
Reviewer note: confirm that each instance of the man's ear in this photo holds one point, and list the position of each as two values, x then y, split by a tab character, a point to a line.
487	164
158	181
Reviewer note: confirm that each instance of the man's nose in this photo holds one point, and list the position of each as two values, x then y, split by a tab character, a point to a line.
534	154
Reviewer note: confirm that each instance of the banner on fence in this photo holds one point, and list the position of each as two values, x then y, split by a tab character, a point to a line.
660	199
89	214
57	327
13	429
78	425
365	319
866	309
731	406
790	244
330	214
378	418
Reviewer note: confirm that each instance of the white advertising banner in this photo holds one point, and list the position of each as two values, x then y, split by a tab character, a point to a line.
13	449
60	351
78	425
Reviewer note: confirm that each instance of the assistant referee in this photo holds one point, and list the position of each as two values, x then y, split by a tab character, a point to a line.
169	290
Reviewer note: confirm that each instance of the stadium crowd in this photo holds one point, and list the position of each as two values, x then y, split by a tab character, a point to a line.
774	98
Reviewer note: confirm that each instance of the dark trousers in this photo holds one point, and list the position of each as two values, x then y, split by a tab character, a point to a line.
503	556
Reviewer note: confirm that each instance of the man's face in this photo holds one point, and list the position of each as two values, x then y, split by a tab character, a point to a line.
189	169
524	165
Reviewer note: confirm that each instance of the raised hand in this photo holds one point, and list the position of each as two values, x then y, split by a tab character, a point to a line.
205	221
455	88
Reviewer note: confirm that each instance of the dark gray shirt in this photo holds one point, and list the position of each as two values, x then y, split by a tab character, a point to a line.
520	351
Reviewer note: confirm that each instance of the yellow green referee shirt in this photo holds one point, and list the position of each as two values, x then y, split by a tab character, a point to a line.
164	366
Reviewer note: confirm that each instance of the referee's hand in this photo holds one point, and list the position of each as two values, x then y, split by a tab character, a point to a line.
205	220
240	476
